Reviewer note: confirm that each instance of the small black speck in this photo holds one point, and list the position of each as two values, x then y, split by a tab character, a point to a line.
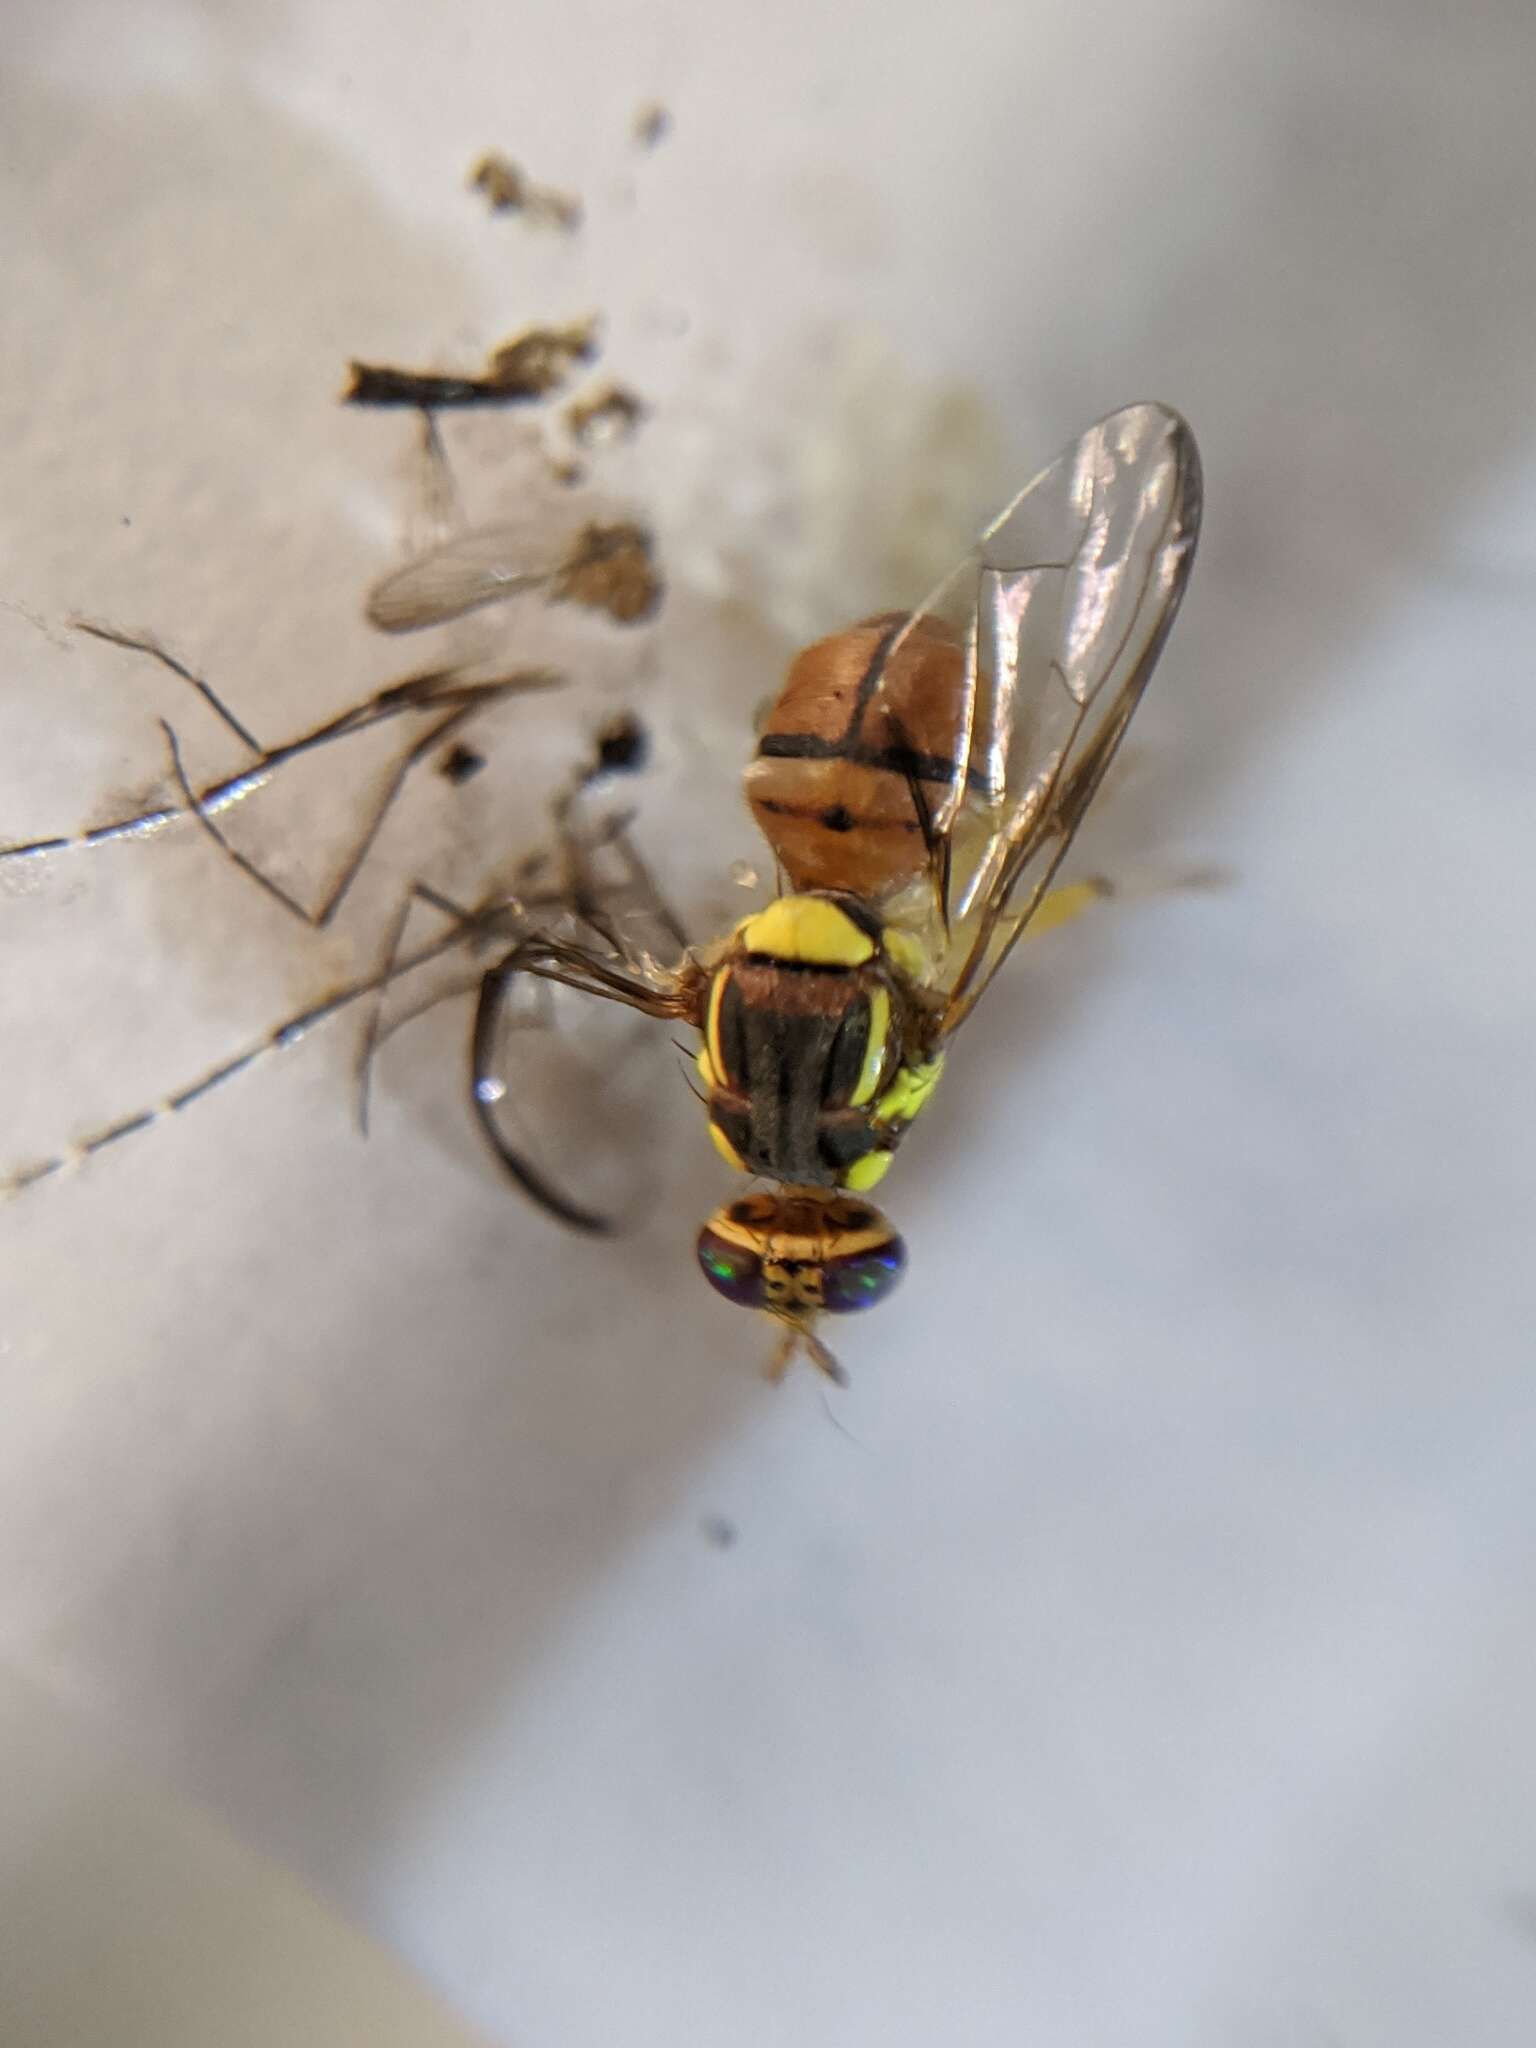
622	745
719	1531
838	819
460	763
126	520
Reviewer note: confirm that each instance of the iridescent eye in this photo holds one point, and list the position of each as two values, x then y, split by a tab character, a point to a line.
860	1279
733	1270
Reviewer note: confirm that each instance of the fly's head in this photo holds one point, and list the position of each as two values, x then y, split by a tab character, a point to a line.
797	1254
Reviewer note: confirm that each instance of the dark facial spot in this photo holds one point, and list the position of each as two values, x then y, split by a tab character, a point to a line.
837	818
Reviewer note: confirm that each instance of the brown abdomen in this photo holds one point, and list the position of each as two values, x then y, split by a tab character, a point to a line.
857	754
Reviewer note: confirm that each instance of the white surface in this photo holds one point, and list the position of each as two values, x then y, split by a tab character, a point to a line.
1151	1663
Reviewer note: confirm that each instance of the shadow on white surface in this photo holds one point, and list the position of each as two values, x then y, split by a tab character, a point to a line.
131	1922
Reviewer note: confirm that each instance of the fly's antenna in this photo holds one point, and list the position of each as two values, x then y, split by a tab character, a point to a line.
798	1337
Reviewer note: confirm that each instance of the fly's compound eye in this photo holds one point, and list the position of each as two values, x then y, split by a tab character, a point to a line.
862	1279
734	1270
799	1254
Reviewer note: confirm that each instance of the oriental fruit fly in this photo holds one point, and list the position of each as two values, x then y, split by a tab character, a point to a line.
919	779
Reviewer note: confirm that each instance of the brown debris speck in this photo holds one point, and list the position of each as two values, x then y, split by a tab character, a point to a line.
652	125
612	414
529	366
460	765
542	358
509	189
611	571
622	745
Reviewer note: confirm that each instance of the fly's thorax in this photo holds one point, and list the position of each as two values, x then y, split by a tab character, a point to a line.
813	1058
801	1252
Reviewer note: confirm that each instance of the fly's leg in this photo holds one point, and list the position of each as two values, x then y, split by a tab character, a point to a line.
454	698
276	1040
577	877
503	920
464	923
643	883
439	731
246	866
582	891
142	823
442	510
486	1088
141	643
1065	904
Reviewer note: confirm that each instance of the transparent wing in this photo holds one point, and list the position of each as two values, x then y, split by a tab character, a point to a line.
606	564
1070	594
480	566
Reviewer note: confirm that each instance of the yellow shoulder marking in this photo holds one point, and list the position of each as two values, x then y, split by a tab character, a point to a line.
875	1050
726	1149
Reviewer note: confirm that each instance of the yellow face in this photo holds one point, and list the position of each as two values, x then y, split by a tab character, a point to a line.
803	1061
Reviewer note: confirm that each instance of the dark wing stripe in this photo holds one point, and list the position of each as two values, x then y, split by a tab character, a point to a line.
897	760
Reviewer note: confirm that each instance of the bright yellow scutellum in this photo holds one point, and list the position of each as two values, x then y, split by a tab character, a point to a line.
808	929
